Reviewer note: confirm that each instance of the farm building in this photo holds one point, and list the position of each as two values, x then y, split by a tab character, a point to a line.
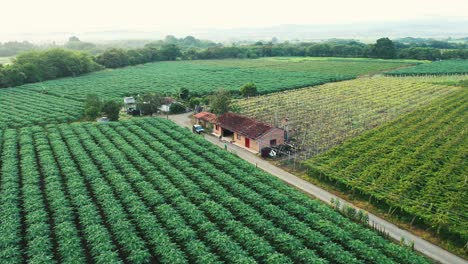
205	118
129	104
247	132
166	104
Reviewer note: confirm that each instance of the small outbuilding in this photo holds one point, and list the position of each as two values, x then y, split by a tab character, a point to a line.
205	118
129	104
166	104
248	132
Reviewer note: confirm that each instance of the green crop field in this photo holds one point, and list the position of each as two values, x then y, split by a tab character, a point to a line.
148	191
324	116
61	100
203	77
447	67
23	107
417	163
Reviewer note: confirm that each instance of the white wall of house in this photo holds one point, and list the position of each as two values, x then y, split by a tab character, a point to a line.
165	107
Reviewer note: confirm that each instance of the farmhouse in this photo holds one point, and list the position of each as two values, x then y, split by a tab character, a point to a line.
247	132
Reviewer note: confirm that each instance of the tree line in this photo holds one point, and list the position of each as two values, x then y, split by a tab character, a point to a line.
41	65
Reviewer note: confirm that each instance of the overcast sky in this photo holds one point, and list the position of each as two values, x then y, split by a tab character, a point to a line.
42	16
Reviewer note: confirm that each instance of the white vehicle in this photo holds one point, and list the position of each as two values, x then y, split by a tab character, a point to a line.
197	129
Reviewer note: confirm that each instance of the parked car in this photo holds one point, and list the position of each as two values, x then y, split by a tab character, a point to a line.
197	129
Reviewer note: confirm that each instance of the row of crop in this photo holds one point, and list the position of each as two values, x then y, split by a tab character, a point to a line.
138	164
229	163
25	108
372	158
256	245
232	183
10	207
324	116
447	67
112	161
204	77
67	234
124	204
179	177
38	231
326	229
94	231
426	142
271	233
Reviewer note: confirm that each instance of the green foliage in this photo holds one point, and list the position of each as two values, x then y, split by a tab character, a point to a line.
184	93
383	48
322	117
177	108
25	107
169	52
204	77
248	89
92	107
447	67
62	100
35	66
14	47
416	163
111	109
194	101
113	58
147	190
220	102
149	103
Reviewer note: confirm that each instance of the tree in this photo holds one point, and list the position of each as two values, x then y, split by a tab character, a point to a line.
149	104
384	48
220	102
176	108
194	101
184	93
248	89
170	52
113	58
73	39
92	107
111	109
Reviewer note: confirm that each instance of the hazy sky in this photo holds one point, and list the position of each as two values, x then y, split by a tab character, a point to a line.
40	16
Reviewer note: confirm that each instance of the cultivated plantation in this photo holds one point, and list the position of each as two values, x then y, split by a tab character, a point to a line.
23	107
324	116
448	67
148	191
416	163
60	100
203	77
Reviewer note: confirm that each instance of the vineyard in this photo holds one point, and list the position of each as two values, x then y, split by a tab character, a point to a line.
148	191
417	163
324	116
448	67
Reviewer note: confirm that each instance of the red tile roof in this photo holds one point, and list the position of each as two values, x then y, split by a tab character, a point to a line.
206	116
245	126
